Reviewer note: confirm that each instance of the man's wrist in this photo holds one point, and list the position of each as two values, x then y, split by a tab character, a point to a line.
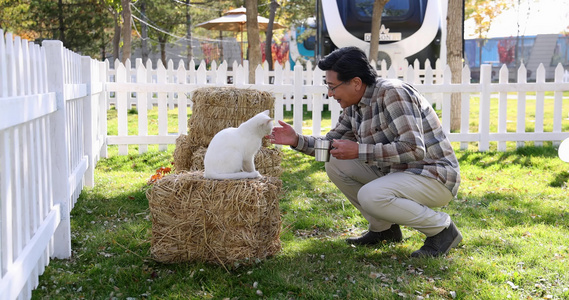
294	145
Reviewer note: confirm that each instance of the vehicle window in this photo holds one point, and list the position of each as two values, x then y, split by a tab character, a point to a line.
364	8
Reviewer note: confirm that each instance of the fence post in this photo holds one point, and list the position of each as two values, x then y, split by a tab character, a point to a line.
103	108
170	72
297	108
142	104
121	105
89	127
260	76
484	119
163	104
6	191
59	153
465	106
446	102
183	99
503	106
539	103
558	102
317	103
278	81
521	117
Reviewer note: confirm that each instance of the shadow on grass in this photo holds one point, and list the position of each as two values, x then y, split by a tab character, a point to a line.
522	156
560	180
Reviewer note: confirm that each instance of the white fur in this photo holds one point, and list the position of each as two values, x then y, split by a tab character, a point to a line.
231	152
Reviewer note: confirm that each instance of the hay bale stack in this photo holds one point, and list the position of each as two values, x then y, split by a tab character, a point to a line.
216	108
219	221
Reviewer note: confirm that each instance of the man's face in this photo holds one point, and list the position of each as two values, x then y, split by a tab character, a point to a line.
343	91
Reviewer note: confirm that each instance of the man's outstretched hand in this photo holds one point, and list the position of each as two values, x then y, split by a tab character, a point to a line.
283	135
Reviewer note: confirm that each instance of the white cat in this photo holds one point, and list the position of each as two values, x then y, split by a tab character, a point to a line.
231	152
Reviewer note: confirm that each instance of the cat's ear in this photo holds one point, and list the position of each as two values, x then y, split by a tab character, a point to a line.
267	112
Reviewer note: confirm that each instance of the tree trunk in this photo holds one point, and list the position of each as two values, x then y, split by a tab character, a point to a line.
221	40
144	32
126	30
116	36
61	22
455	55
221	58
162	40
269	39
253	40
378	6
190	53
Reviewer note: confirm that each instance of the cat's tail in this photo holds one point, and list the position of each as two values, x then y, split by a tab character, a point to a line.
233	176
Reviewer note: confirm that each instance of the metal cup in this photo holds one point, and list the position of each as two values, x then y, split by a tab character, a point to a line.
322	150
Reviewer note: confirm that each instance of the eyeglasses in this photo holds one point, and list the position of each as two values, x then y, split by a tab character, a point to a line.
332	88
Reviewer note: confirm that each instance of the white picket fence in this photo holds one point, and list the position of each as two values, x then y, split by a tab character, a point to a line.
53	128
50	137
172	87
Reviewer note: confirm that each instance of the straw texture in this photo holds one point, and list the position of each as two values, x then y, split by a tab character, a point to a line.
267	160
183	153
218	221
216	108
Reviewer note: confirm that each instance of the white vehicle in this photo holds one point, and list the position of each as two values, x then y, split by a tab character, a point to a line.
411	29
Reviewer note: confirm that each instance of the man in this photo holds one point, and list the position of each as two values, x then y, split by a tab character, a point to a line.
390	156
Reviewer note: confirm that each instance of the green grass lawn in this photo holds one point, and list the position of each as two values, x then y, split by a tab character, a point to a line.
511	208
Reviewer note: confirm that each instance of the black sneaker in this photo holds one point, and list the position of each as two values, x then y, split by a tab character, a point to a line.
393	234
440	244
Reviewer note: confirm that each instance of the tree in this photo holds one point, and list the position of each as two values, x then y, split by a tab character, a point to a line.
144	33
66	21
13	18
455	55
169	19
126	30
254	42
188	34
95	27
378	6
269	39
296	11
114	7
484	12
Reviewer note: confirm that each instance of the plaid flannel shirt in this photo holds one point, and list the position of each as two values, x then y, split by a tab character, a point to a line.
397	131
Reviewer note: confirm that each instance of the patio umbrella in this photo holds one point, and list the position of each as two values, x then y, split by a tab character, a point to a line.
236	20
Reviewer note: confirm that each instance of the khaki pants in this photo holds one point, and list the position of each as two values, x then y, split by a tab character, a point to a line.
400	198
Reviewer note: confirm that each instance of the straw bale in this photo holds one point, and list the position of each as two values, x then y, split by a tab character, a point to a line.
217	108
267	161
183	153
218	221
